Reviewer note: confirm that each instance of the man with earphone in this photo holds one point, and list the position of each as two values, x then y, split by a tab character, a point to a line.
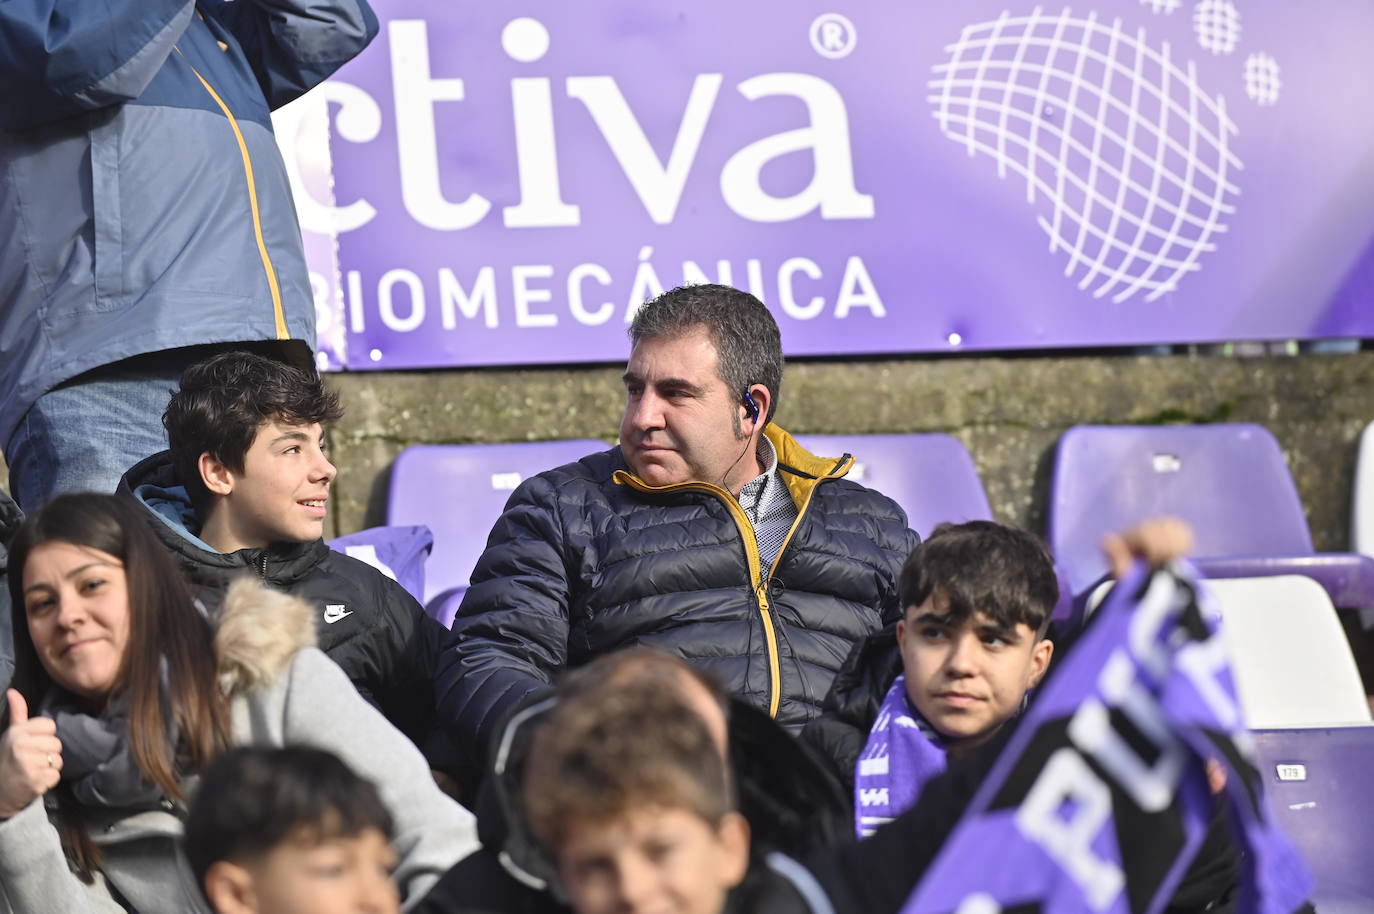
708	532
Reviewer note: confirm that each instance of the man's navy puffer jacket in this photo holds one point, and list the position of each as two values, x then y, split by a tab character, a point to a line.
587	559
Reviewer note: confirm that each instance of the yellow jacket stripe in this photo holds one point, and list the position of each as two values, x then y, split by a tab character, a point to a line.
277	311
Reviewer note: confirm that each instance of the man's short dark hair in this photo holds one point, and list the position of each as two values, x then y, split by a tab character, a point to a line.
250	800
748	344
981	566
225	399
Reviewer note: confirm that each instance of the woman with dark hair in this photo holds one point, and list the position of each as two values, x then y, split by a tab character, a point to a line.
134	692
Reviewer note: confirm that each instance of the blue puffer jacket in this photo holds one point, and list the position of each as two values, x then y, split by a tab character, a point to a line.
143	202
587	558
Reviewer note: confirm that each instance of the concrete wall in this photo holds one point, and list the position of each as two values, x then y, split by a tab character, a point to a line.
1008	412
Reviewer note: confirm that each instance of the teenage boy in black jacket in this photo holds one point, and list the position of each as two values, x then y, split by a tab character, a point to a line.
244	488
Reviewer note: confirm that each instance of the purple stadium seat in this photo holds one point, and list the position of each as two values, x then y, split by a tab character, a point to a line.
1318	786
458	491
931	476
1229	482
397	552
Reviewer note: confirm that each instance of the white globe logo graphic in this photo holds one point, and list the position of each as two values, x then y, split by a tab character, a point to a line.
1162	6
1217	25
1126	157
1262	81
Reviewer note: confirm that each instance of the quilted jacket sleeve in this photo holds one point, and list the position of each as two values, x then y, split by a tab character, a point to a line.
510	637
406	660
59	58
293	45
891	609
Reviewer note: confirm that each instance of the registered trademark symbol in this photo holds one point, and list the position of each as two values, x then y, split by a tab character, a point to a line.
833	36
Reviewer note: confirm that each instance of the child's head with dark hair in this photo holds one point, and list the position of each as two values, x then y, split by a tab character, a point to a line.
246	435
629	790
290	831
982	566
978	598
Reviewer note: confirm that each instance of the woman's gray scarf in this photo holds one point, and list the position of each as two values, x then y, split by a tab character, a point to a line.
97	761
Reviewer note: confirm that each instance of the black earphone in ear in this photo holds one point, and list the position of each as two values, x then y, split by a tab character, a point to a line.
751	406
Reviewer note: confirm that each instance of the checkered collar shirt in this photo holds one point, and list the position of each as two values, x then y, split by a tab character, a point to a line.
768	505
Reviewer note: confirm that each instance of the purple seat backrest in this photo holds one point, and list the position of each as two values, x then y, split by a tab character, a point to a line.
1319	788
1229	482
398	552
931	476
459	490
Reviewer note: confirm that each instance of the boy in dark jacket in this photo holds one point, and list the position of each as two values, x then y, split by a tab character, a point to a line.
244	489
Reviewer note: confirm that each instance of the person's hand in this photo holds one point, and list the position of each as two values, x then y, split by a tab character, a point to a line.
1158	541
1216	776
30	757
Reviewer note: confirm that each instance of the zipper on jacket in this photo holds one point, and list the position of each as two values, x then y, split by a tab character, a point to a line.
278	313
262	564
756	580
763	584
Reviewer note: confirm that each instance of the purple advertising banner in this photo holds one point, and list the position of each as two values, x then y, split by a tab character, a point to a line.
505	184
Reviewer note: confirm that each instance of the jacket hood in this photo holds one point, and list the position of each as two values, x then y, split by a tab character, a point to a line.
260	630
152	483
790	799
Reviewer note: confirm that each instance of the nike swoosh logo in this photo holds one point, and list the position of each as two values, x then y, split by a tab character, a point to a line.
331	617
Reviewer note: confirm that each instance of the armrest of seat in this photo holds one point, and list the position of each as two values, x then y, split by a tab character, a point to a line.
1348	578
399	552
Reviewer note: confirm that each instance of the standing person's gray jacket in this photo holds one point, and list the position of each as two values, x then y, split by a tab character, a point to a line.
144	205
284	691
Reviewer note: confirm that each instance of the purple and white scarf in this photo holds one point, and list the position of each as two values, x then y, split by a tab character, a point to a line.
903	752
1098	801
